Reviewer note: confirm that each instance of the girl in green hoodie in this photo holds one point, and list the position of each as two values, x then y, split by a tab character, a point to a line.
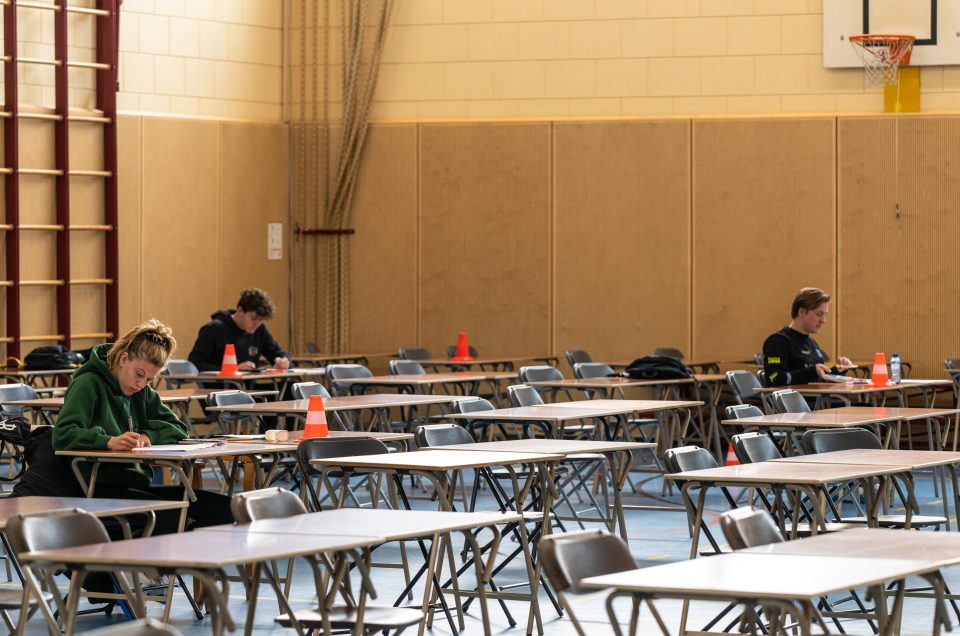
110	404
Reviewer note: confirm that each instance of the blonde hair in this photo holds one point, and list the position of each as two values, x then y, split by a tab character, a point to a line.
151	341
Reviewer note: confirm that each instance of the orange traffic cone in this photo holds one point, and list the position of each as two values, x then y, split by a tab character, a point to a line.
879	375
463	349
316	419
731	456
229	366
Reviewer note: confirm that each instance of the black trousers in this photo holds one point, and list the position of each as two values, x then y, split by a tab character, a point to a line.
210	508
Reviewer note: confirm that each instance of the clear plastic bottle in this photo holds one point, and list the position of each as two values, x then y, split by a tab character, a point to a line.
895	368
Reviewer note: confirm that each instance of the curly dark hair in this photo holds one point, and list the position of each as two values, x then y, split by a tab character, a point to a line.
257	300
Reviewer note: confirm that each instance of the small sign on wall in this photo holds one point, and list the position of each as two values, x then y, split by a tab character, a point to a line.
274	241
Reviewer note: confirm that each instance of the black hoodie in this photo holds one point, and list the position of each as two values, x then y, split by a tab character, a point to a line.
207	353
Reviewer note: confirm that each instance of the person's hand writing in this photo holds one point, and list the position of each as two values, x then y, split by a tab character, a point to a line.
823	371
144	440
125	442
246	365
281	363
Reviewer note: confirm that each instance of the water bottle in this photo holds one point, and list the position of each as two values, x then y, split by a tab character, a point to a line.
895	368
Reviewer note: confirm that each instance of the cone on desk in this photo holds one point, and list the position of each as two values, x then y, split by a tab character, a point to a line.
463	349
316	425
879	375
731	456
229	366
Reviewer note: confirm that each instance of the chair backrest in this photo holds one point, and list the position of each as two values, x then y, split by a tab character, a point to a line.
180	367
743	384
441	435
268	503
591	370
570	557
668	352
740	411
452	351
540	373
523	395
406	367
312	347
952	363
754	447
54	529
789	401
303	390
758	359
324	447
11	392
749	528
414	353
577	356
684	458
338	372
229	398
815	441
474	405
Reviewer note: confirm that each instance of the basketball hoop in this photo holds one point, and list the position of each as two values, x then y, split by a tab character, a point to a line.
882	54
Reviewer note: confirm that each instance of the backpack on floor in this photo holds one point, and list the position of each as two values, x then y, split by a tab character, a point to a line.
657	368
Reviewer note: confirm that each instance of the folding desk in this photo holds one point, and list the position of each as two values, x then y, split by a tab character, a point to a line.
468	382
323	359
935	436
780	583
884	424
493	363
619	455
847	391
806	478
46	378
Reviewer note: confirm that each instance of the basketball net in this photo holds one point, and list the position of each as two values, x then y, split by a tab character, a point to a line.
882	55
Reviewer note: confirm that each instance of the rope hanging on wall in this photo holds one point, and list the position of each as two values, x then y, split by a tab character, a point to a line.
322	193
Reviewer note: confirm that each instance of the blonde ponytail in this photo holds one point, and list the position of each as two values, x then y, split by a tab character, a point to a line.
151	341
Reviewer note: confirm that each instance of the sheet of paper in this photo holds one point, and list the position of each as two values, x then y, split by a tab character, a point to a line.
175	448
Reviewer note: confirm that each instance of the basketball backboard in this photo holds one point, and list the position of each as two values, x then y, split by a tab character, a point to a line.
935	24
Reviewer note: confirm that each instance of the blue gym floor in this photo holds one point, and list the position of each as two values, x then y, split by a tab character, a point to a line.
656	536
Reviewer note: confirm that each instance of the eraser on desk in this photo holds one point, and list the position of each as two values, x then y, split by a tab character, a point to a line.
277	435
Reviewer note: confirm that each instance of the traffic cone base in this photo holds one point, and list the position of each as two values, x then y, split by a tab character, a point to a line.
316	425
463	349
228	368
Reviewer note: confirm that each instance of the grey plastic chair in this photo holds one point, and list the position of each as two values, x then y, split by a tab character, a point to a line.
523	395
312	347
406	367
744	386
321	448
789	401
754	447
687	458
570	557
179	367
232	423
267	503
57	529
338	373
441	435
414	353
544	373
740	411
15	392
591	370
749	528
577	356
303	390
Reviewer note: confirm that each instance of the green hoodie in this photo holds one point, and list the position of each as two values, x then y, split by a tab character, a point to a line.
95	409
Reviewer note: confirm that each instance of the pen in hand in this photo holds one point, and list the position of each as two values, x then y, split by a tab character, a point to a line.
130	428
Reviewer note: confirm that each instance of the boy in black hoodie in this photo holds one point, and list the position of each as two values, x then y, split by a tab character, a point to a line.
245	329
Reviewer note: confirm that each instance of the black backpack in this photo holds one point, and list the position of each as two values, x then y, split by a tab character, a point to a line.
657	368
52	357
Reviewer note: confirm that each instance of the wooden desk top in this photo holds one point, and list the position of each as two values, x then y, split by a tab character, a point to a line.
634	406
245	377
938	549
23	373
604	383
811	419
787	473
333	357
558	446
855	388
443	362
433	378
914	459
392	525
189	452
759	576
347	403
202	550
294	435
543	413
440	459
167	396
901	413
12	506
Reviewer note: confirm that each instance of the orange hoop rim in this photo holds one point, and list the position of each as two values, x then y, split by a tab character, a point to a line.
882	38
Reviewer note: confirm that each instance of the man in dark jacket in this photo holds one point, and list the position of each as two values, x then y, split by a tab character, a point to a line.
791	355
244	328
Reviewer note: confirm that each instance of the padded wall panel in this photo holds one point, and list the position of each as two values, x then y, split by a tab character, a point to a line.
129	225
763	227
622	264
898	283
253	192
181	246
485	236
383	252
